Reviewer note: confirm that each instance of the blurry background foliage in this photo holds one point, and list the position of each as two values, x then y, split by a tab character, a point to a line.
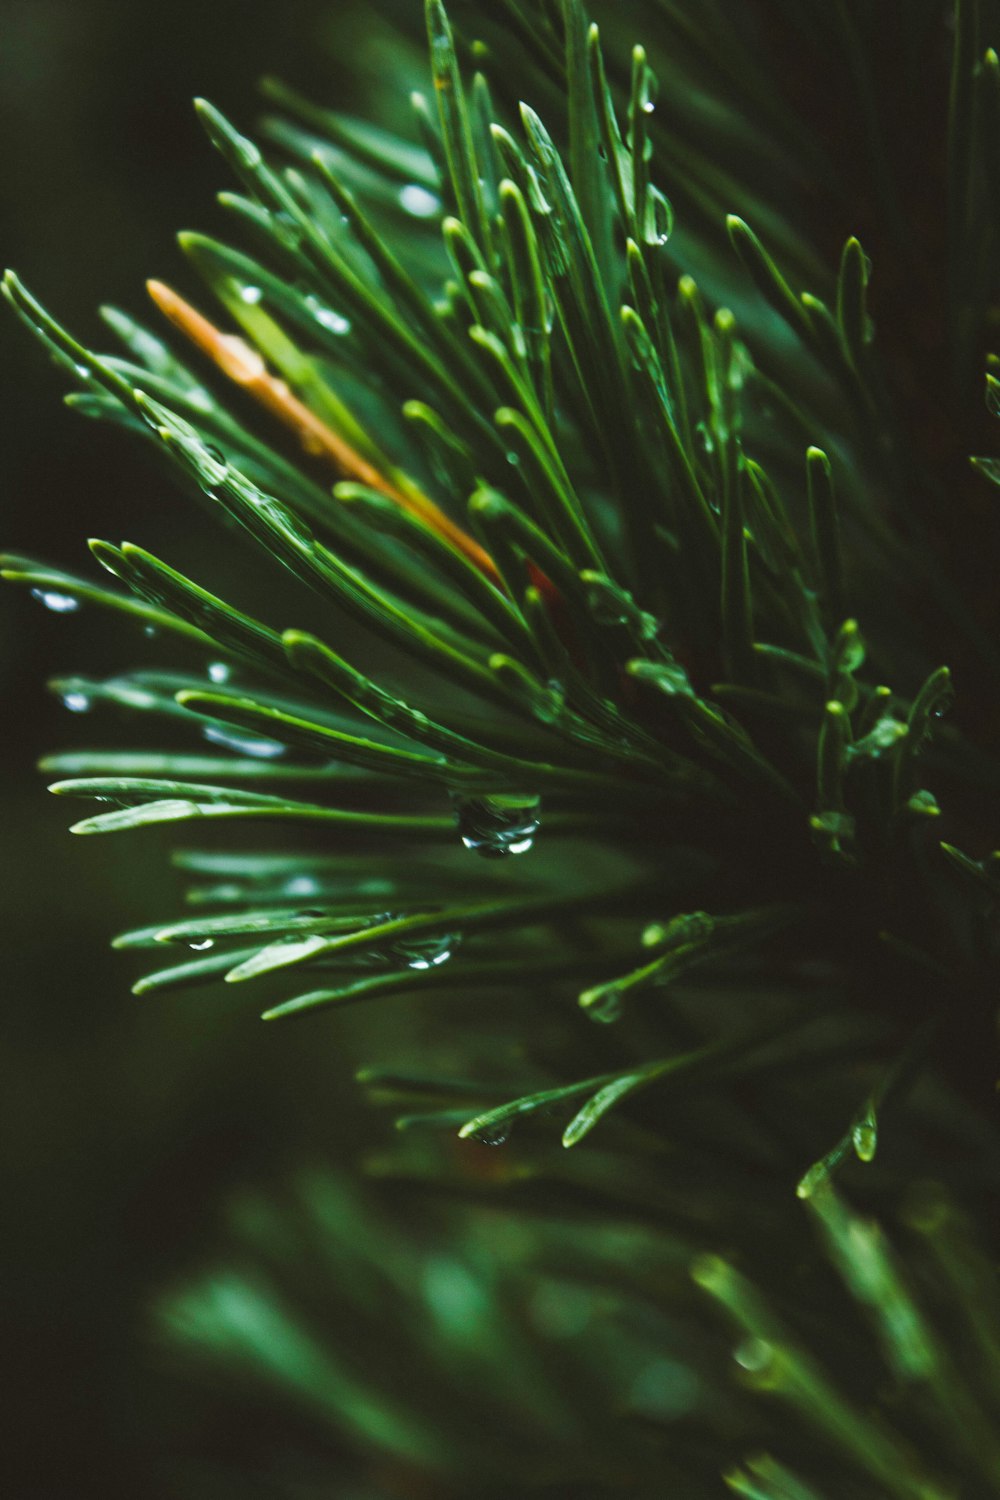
411	1345
123	1125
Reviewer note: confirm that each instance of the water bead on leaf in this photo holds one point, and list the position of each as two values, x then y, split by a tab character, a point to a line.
334	322
419	201
496	826
211	462
427	954
605	1003
753	1355
886	733
58	603
550	703
417	952
77	703
243	744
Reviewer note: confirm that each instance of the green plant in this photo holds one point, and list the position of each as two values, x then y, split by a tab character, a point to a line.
658	560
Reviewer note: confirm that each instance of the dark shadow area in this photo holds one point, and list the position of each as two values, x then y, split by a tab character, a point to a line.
124	1121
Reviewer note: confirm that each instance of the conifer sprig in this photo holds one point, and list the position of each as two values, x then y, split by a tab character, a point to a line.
613	459
614	509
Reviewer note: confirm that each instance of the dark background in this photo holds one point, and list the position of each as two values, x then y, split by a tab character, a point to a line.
125	1122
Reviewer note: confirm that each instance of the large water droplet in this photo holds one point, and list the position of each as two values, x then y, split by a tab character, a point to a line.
211	461
428	953
753	1355
419	201
659	218
499	825
218	671
864	1138
243	744
886	733
335	322
60	604
77	703
250	294
205	943
301	885
416	952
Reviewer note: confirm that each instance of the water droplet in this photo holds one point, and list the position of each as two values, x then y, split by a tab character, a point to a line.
82	371
277	515
549	706
886	733
150	632
242	744
497	826
493	1135
216	457
416	952
218	671
658	219
753	1355
428	954
205	943
335	322
605	1004
864	1138
944	705
77	703
60	604
251	294
512	457
419	201
301	885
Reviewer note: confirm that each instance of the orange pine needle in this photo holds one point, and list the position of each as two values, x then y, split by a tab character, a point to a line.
241	363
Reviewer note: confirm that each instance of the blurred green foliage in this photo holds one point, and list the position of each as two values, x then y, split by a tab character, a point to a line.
123	1125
